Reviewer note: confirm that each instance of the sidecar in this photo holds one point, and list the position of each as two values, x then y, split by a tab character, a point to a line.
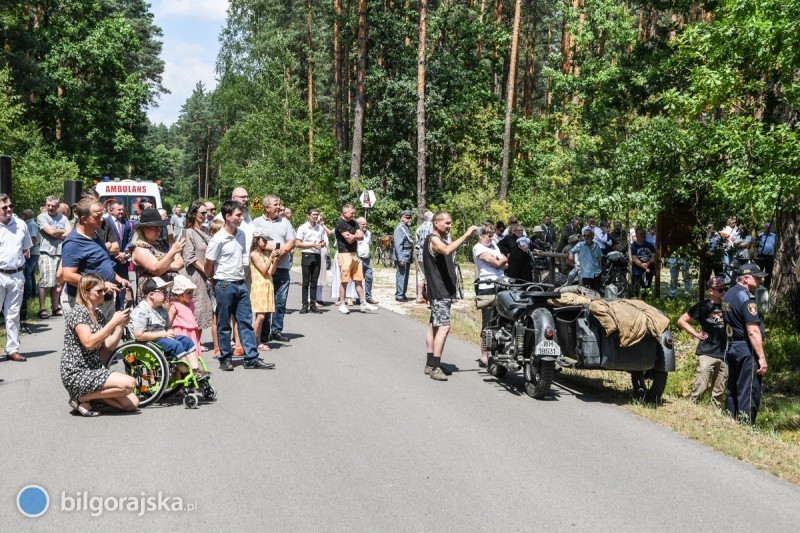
585	344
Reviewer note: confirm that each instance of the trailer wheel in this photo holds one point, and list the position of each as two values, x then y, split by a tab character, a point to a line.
649	385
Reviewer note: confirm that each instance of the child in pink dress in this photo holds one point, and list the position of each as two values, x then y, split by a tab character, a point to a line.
181	310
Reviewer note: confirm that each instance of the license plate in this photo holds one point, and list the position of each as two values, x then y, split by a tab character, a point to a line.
548	348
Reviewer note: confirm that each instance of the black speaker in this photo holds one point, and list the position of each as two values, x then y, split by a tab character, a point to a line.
5	176
72	192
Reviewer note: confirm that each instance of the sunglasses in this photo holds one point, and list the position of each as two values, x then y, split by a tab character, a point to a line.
9	207
202	213
101	290
719	290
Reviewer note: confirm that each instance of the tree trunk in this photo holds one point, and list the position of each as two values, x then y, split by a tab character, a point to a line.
497	13
529	84
785	290
512	81
310	61
338	84
208	157
423	34
358	116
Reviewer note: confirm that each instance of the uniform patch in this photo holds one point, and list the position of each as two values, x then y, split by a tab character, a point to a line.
753	308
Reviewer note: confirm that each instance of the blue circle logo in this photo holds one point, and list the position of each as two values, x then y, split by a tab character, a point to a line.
33	501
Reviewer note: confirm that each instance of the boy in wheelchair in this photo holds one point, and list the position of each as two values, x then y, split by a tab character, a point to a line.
150	323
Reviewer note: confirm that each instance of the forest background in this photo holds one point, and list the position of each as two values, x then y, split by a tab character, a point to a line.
487	108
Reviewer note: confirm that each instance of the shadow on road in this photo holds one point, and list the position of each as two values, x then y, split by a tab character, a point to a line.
40	353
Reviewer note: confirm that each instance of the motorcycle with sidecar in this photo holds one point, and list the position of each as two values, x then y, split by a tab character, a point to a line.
530	330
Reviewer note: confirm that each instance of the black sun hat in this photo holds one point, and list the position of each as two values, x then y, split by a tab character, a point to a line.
151	218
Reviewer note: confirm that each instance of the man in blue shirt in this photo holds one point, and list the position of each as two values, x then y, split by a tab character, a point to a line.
765	252
745	356
589	254
85	252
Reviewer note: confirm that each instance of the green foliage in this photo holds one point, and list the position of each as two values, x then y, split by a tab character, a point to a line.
36	169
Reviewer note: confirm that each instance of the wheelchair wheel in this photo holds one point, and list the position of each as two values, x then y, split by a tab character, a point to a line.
147	365
209	392
191	401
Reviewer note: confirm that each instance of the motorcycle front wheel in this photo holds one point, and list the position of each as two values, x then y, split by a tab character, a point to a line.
538	378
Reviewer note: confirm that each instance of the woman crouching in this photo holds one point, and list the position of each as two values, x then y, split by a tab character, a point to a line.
87	338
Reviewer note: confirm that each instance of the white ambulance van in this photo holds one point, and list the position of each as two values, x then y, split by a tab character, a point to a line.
131	193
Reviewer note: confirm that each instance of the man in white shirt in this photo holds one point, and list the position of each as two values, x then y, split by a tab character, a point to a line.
15	249
225	259
53	228
310	238
363	254
283	238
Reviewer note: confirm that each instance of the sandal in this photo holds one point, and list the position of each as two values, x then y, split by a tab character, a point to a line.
58	312
77	409
264	348
44	314
483	362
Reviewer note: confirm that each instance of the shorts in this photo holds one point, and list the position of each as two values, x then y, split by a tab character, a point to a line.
440	312
350	267
48	265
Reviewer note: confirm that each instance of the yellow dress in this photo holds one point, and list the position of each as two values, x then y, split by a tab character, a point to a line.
262	292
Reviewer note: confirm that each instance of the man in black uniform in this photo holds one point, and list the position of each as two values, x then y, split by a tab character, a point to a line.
745	356
440	277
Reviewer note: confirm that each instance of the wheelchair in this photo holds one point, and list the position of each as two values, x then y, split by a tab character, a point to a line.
155	374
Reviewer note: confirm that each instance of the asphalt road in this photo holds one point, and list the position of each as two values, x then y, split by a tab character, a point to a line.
348	434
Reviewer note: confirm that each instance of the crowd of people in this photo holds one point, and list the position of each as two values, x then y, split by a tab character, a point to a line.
169	278
230	272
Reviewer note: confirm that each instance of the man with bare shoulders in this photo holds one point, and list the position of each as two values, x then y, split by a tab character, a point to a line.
440	276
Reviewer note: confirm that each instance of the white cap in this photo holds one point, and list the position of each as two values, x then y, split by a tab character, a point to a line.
181	284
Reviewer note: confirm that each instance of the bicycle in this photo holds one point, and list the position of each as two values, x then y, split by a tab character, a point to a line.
459	282
383	251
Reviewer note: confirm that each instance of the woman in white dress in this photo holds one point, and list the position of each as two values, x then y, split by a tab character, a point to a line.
322	281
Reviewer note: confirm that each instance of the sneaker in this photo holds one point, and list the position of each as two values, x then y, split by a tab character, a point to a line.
304	310
280	337
368	307
344	310
437	374
446	372
315	310
226	364
259	364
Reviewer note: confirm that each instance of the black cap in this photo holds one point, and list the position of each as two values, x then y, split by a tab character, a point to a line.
750	269
151	218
